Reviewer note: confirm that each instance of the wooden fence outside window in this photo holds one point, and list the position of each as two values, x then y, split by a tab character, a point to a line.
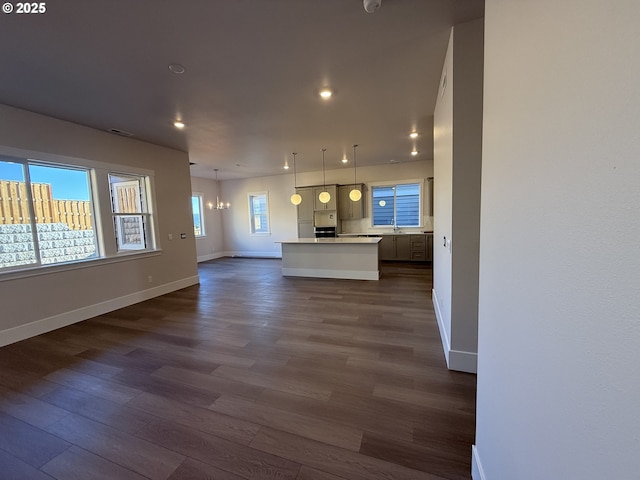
14	206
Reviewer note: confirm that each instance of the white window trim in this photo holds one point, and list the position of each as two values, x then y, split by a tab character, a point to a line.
203	228
251	232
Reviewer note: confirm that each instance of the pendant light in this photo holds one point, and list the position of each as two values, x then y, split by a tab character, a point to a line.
220	205
355	194
324	196
296	198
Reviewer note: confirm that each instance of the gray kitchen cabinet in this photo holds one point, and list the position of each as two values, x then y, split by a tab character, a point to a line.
305	209
305	230
350	210
418	247
305	213
406	247
331	204
387	248
403	247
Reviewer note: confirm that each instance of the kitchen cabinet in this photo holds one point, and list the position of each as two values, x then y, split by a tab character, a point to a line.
387	248
395	247
331	204
350	210
305	209
305	230
418	246
406	247
305	212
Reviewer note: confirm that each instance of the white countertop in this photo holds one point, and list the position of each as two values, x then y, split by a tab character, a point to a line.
338	240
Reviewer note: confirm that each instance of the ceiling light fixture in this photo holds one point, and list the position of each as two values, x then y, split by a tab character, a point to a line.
414	134
177	68
326	93
286	164
414	152
345	160
220	205
355	194
324	196
179	124
296	198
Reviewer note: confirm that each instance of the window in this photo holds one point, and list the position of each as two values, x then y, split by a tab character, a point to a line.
131	215
396	205
198	215
48	213
259	213
54	223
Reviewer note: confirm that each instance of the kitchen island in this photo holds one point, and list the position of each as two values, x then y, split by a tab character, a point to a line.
343	257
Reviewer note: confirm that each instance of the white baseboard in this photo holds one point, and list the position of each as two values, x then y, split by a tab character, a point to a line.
211	256
277	254
463	361
458	360
446	346
22	332
477	473
319	273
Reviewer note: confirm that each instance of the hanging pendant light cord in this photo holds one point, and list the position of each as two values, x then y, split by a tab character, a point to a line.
295	181
354	166
324	178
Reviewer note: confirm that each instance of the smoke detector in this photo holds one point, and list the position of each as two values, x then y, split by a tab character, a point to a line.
370	6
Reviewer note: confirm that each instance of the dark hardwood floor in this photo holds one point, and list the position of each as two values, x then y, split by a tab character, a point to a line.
248	375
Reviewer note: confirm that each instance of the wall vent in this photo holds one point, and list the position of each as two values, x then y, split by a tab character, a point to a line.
122	133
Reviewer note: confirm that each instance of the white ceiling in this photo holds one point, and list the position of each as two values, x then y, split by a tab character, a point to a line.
253	70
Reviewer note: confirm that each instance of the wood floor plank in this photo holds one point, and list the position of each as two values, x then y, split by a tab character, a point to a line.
216	422
194	470
133	453
308	473
218	452
94	385
31	445
438	461
78	464
305	426
15	469
211	383
275	382
336	460
29	409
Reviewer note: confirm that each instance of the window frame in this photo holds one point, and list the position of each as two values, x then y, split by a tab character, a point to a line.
106	248
394	185
203	229
252	230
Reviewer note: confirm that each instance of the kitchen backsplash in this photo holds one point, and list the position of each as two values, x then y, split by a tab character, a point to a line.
364	226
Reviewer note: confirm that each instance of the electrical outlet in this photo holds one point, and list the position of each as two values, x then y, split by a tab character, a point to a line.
170	236
150	279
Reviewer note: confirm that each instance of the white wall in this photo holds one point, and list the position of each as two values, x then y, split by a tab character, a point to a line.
283	215
211	244
458	160
559	326
443	196
34	304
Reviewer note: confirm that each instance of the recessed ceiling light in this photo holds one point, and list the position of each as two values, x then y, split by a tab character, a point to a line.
414	152
178	124
326	93
177	68
413	135
345	159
